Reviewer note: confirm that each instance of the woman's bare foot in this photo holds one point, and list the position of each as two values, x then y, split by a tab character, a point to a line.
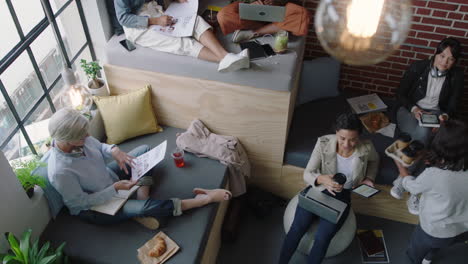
215	195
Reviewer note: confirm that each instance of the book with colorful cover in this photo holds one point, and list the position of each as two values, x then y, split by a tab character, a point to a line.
366	104
377	255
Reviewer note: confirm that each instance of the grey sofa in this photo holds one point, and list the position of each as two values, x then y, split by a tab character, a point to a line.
114	244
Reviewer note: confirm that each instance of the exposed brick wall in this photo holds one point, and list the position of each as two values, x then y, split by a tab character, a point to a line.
432	21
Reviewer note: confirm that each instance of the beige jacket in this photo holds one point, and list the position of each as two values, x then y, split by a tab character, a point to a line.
199	140
323	161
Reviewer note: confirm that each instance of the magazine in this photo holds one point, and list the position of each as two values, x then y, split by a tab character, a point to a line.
366	104
143	164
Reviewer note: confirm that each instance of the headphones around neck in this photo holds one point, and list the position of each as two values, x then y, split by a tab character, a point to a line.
435	73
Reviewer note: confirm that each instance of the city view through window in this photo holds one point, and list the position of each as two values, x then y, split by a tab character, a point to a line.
31	61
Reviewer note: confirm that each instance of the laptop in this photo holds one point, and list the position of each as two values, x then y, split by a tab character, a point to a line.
321	204
265	13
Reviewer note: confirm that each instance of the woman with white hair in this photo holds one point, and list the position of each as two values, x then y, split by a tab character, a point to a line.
77	169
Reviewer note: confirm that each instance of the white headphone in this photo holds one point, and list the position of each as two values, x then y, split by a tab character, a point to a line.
435	73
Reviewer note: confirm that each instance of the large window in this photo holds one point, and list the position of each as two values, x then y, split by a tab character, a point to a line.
39	38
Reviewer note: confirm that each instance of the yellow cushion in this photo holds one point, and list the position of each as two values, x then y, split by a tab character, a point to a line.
127	115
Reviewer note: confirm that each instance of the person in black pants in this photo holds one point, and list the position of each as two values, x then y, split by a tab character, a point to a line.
342	152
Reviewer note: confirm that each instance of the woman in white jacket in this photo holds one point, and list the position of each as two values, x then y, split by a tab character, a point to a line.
342	152
443	207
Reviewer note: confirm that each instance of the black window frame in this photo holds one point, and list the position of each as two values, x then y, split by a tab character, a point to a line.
24	45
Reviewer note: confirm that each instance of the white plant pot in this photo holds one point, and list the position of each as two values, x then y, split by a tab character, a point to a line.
102	91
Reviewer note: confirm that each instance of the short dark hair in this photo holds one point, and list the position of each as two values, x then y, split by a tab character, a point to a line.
348	121
453	44
449	147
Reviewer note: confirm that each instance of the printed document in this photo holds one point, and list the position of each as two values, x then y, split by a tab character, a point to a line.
184	15
145	162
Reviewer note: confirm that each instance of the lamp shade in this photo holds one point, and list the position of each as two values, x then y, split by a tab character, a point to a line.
362	32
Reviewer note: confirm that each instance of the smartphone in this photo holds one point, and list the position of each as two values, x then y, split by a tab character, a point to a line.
268	50
128	45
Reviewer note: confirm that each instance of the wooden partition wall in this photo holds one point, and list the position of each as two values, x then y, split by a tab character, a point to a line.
260	118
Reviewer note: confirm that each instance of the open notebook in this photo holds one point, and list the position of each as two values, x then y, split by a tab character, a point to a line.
112	206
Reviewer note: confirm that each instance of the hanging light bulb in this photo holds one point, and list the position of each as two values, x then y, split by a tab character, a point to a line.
75	95
362	32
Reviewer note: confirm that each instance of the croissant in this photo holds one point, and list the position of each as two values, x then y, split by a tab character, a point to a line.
159	248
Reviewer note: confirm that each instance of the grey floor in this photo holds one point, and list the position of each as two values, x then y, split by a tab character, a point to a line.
259	242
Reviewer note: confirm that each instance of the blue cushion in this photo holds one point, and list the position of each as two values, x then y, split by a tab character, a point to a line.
319	80
53	197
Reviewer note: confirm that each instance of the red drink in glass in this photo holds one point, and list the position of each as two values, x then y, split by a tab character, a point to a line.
178	156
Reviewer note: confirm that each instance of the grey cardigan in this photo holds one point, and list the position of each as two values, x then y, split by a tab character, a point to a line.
443	208
323	161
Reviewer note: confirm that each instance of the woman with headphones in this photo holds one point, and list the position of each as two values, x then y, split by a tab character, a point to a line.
434	86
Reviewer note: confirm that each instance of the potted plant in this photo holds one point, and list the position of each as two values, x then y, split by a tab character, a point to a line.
96	85
24	172
25	252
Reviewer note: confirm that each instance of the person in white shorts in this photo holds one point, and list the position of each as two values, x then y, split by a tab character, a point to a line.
138	17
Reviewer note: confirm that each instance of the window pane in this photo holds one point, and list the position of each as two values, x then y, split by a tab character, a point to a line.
22	84
80	75
29	13
8	30
37	128
7	121
57	4
57	92
13	149
71	29
46	52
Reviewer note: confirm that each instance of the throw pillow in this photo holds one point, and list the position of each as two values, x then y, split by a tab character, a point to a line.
127	115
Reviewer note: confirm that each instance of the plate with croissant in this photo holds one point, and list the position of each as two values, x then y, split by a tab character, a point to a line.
157	250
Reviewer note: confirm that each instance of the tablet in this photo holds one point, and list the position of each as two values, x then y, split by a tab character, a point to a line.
365	190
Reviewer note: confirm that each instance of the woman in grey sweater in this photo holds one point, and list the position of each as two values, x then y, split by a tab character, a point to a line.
443	209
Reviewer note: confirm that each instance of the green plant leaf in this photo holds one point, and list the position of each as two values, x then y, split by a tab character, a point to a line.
47	260
33	252
15	246
9	259
24	245
43	251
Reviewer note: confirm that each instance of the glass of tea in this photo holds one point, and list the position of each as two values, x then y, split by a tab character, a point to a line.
178	156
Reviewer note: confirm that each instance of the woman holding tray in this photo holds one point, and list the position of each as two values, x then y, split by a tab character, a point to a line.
434	86
443	209
78	171
343	152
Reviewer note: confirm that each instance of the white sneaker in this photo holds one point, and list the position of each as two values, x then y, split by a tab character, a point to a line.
413	204
426	261
397	189
243	35
148	222
234	62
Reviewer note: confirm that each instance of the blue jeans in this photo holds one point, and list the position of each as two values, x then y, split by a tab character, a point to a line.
134	208
303	219
423	246
410	125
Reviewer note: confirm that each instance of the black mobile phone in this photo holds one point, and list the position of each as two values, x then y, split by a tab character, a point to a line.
268	50
128	45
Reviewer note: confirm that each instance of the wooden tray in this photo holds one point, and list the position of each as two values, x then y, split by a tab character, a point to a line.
143	251
393	152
